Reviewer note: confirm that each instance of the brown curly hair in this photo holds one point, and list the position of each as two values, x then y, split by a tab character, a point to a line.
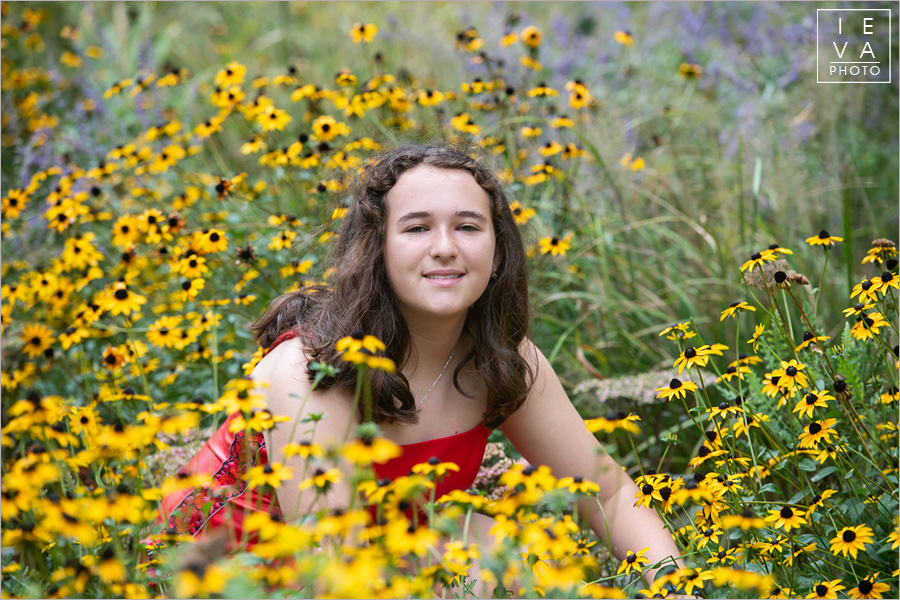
360	298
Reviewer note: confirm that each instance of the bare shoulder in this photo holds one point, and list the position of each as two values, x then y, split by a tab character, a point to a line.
540	367
283	380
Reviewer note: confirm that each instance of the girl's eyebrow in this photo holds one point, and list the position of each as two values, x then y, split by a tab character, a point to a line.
424	214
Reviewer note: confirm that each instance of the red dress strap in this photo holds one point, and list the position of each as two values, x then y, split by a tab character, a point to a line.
287	335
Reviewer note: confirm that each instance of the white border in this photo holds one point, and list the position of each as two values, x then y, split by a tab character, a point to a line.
890	39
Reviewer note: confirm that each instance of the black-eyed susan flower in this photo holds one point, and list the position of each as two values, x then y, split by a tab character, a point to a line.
851	539
359	340
704	536
744	359
692	579
258	420
741	427
868	326
733	371
121	301
676	389
633	163
367	449
463	122
692	357
690	70
887	280
819	500
733	309
345	78
212	240
510	38
703	454
191	287
163	332
757	260
825	589
173	153
37	339
746	520
614	421
881	250
869	587
12	205
325	128
530	477
403	537
578	484
240	395
269	474
633	562
531	36
542	90
810	339
817	431
363	32
469	40
555	246
520	213
540	174
866	291
791	375
550	148
322	480
200	580
191	266
829	451
858	310
272	118
430	97
823	239
679	331
434	466
649	490
811	401
786	518
232	74
283	240
624	37
303	449
889	396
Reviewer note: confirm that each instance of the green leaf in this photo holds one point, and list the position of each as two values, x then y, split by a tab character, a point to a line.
808	465
769	487
822	474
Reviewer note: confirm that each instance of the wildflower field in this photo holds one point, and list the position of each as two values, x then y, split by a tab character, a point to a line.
712	238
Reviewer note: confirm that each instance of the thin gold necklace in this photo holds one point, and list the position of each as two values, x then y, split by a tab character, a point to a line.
438	377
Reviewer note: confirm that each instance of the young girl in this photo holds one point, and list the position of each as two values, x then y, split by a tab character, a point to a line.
428	260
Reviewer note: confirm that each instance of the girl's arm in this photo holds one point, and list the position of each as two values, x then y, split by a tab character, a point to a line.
547	430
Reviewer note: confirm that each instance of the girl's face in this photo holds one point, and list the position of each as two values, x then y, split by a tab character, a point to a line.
439	242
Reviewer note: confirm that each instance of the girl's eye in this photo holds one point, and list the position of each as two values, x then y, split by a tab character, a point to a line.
415	229
468	228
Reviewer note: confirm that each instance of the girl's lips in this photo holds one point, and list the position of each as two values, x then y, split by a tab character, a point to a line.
444	278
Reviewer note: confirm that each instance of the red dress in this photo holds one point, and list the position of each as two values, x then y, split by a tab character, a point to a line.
224	501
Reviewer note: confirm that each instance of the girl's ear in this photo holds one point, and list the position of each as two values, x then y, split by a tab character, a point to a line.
495	267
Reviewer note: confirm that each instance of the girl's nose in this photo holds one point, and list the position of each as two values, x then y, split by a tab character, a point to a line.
443	244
